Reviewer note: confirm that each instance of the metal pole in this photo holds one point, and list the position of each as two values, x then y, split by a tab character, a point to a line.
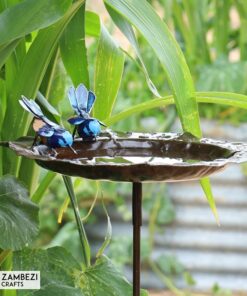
137	222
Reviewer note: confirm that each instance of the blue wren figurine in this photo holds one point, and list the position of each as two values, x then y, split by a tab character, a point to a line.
50	134
82	102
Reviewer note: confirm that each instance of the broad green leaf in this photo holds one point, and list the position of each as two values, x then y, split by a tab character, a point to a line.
18	215
5	51
73	49
128	31
92	24
222	98
57	269
62	275
29	16
104	279
141	14
3	101
33	67
107	77
47	81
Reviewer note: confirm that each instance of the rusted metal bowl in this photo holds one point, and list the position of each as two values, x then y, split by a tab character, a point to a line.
136	157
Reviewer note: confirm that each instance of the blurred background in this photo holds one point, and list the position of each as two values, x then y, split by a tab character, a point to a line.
183	250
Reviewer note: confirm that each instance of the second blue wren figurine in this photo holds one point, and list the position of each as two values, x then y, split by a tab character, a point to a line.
82	102
51	134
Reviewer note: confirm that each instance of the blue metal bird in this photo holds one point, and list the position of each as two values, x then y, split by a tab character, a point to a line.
50	133
82	102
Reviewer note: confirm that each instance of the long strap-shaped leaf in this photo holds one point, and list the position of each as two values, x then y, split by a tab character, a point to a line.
73	49
221	98
128	31
140	14
107	76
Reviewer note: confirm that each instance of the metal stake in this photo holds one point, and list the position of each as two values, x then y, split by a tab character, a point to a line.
137	222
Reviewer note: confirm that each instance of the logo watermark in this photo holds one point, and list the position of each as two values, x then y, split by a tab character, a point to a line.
19	280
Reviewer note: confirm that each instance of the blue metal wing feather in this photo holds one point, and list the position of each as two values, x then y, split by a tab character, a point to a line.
32	107
82	97
76	120
90	101
45	131
73	100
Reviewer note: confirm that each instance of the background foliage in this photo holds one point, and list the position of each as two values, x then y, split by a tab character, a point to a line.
188	54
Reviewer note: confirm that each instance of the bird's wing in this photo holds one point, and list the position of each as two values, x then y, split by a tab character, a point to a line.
73	100
82	97
31	107
90	101
76	120
45	131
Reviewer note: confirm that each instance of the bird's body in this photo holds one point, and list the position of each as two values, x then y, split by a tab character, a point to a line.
48	132
60	138
89	128
82	102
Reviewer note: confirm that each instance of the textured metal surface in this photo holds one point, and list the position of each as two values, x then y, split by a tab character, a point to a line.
138	157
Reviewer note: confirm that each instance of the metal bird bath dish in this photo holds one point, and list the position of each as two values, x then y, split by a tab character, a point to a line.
137	158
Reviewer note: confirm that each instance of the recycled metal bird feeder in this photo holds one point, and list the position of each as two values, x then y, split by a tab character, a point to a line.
137	158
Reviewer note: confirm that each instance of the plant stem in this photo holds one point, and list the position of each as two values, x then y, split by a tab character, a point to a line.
168	282
86	252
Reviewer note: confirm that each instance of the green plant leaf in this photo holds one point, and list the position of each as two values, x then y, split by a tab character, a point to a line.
143	17
18	215
73	49
108	235
205	183
62	275
107	76
222	98
29	16
3	101
43	186
86	251
92	24
95	280
5	51
44	102
57	268
33	67
128	31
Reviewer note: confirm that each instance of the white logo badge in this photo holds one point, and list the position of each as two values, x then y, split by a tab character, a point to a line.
19	280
